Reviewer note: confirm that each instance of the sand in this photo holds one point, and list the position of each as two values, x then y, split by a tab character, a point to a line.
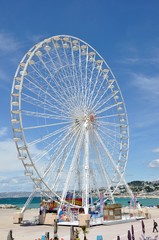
108	232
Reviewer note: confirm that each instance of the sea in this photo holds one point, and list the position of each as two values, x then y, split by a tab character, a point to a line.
20	201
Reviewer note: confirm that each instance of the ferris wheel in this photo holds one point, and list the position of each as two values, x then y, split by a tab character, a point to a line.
69	120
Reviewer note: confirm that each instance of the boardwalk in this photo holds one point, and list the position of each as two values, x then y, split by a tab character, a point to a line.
109	232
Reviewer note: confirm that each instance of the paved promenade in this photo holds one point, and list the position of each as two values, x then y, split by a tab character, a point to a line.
109	232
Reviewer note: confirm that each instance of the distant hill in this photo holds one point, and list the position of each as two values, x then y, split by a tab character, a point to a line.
145	187
17	194
139	187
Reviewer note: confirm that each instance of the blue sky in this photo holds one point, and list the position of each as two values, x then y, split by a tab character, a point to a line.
126	35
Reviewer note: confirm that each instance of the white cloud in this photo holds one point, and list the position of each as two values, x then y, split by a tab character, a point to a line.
149	85
154	164
8	43
12	176
8	158
9	161
15	184
36	38
3	131
156	150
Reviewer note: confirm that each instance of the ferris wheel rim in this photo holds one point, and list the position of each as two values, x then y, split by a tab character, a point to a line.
34	49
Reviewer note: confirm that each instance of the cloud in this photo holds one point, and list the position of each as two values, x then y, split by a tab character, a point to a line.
8	43
156	150
34	39
3	131
8	159
15	184
148	84
10	50
12	176
154	164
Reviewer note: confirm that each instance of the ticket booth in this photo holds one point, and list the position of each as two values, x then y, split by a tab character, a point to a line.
112	212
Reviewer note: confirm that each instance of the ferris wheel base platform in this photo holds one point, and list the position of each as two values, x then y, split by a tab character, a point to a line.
100	221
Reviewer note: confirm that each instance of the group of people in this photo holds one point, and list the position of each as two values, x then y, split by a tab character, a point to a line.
47	207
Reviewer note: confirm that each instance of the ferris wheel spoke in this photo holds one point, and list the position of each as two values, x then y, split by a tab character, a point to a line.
56	84
60	103
64	158
47	136
75	64
109	107
68	139
49	148
110	116
99	99
105	101
46	125
45	115
60	77
75	157
60	149
66	154
96	82
60	62
67	53
40	105
110	132
109	156
103	123
86	75
112	140
93	175
40	57
52	87
59	173
90	82
56	143
71	64
32	81
83	80
103	170
102	101
81	74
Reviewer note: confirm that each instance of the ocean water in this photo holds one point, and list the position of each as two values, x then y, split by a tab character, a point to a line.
19	202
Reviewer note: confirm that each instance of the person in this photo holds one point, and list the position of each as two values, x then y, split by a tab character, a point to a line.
42	208
155	226
60	213
10	237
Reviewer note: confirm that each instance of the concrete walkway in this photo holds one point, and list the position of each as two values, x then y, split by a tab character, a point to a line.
108	232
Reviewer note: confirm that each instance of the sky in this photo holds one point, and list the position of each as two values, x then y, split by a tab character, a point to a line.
126	35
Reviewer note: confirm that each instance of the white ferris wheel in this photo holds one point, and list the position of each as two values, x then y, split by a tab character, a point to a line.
69	120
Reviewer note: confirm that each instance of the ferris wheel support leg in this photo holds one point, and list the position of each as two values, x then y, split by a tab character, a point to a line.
126	185
122	179
86	170
71	169
28	201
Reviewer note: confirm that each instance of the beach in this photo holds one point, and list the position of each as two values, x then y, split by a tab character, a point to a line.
109	232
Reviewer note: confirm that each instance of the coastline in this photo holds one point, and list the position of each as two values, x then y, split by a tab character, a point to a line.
138	196
144	195
124	200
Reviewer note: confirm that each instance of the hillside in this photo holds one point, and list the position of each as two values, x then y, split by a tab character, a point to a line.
141	188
